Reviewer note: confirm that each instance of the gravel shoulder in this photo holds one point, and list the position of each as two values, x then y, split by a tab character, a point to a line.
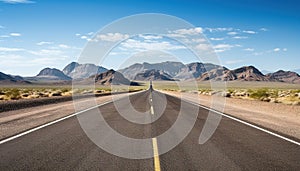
281	118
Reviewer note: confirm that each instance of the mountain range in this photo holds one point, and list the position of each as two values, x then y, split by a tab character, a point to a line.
164	71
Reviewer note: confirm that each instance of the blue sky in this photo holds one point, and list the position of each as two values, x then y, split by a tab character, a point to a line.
51	33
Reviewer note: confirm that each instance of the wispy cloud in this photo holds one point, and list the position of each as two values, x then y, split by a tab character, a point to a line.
15	34
263	29
137	45
276	49
249	32
219	29
111	37
6	49
191	31
240	37
249	49
223	47
232	33
217	39
1	27
44	43
150	37
17	1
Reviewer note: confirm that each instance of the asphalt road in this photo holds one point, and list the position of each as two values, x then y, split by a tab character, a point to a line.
233	146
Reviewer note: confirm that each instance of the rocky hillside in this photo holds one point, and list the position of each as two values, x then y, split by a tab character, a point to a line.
249	73
246	73
153	74
81	71
52	74
195	70
175	70
170	68
109	77
10	79
219	74
284	76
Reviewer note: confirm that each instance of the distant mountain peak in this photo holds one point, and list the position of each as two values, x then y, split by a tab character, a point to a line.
81	71
153	74
52	74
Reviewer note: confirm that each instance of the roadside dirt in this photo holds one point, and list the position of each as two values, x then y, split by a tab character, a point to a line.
281	118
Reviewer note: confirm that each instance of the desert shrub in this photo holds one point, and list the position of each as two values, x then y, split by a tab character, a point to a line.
13	94
2	92
64	90
259	94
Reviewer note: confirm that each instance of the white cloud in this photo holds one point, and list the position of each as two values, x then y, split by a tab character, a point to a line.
232	33
220	29
191	31
5	49
63	46
112	37
216	39
249	32
17	1
77	34
284	49
276	49
263	29
44	43
84	37
141	45
149	37
15	34
223	47
47	52
240	37
249	49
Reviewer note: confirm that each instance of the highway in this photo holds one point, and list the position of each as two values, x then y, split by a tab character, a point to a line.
234	145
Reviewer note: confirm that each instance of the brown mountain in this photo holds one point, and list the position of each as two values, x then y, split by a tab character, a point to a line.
284	76
153	74
219	74
82	71
195	70
10	79
168	67
249	73
109	77
246	73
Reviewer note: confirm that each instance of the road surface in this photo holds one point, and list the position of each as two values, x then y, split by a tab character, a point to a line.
233	146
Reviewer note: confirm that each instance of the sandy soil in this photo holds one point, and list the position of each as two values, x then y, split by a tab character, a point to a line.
281	118
16	121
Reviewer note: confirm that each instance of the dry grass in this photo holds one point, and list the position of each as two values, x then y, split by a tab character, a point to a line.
37	91
275	92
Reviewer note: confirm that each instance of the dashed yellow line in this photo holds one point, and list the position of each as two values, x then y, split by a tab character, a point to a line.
155	155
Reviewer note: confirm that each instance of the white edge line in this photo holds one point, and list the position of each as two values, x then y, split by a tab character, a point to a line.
55	121
49	123
243	122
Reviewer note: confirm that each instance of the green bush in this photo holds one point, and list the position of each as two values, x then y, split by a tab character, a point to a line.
13	94
259	94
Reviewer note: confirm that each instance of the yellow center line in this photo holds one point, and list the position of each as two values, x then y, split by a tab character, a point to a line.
155	155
